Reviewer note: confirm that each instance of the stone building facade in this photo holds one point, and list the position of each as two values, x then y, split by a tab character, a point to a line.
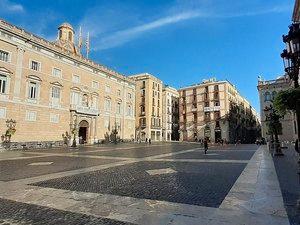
49	87
267	92
215	110
148	109
170	112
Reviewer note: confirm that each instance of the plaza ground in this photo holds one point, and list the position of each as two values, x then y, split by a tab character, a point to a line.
162	183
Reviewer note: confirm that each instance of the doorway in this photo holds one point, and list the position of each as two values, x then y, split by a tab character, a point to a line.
83	132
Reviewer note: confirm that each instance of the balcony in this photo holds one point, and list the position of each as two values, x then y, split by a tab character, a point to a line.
84	110
194	109
212	109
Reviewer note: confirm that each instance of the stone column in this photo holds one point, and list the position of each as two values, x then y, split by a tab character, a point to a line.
91	132
18	75
95	129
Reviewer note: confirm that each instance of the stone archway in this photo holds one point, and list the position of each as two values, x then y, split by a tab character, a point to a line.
83	132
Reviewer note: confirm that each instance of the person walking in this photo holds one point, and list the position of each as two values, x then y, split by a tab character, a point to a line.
150	141
205	143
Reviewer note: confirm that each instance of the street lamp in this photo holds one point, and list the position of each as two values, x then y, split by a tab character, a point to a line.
73	127
292	53
291	59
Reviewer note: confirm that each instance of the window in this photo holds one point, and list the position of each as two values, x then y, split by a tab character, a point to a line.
56	72
118	92
75	96
267	96
129	95
32	90
118	108
3	84
95	84
85	100
4	56
55	96
107	105
34	65
217	103
144	84
54	118
274	93
216	87
129	110
76	79
107	89
2	112
206	104
70	36
30	116
94	104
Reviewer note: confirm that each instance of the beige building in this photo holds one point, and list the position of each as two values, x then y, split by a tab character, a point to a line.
267	92
215	110
49	87
148	108
170	112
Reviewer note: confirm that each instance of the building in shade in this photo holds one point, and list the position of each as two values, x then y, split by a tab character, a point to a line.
296	12
49	88
170	119
267	92
216	111
148	109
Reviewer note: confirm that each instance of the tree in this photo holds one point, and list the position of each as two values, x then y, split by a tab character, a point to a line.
287	100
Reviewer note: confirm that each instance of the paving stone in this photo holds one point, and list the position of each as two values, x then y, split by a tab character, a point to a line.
18	169
12	212
204	184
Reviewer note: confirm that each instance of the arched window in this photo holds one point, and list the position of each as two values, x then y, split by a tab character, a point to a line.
60	34
274	93
70	36
85	100
267	96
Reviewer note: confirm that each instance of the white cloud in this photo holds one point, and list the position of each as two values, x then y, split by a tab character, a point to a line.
120	26
123	36
8	6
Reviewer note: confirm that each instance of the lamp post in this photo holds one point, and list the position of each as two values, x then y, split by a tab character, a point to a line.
74	129
291	60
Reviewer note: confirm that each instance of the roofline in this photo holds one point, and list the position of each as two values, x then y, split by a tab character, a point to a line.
296	12
43	43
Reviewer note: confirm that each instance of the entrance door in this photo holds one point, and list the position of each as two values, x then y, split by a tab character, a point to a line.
82	135
83	132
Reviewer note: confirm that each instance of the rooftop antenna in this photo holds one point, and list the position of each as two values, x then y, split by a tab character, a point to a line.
87	44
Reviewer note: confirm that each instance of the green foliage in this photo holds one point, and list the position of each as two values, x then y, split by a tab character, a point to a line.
287	100
273	124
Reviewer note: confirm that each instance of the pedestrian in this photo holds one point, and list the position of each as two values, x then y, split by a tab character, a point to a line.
205	146
150	141
146	140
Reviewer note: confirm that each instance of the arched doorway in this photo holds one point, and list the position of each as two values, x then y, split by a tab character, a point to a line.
83	131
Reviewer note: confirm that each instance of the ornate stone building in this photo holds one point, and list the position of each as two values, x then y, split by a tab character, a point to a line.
215	110
267	92
50	88
148	107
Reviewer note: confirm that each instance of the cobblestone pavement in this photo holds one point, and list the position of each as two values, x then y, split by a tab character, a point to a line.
162	183
287	168
12	212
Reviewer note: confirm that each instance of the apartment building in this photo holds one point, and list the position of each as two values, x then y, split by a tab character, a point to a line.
148	108
267	92
170	119
215	110
50	88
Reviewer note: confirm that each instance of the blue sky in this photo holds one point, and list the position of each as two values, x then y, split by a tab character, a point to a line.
180	41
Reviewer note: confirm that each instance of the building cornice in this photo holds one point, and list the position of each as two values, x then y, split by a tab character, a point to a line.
50	46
